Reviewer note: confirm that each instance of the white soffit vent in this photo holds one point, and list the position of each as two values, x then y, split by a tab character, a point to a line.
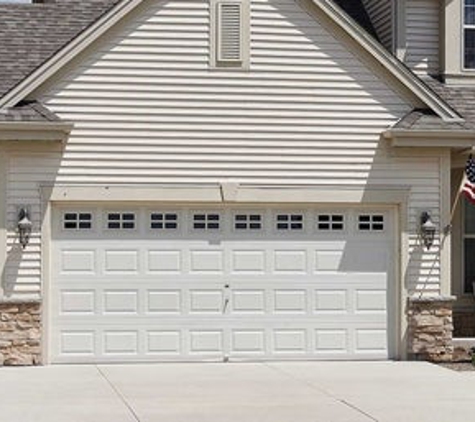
229	32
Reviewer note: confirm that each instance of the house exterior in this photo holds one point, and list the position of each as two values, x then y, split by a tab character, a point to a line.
235	180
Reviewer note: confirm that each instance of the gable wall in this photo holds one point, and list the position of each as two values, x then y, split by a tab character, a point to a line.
381	15
148	110
423	36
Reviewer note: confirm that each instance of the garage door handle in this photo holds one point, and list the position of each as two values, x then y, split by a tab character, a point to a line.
226	301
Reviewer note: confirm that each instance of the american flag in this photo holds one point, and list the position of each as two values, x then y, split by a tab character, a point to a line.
469	186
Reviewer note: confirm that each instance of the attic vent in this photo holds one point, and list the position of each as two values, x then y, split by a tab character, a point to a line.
229	32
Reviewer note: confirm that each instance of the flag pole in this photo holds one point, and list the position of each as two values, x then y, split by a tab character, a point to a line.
457	199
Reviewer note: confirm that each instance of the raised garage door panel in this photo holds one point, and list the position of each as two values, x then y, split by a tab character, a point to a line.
150	284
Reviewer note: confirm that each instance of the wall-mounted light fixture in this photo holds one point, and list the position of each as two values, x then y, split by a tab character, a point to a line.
428	229
24	227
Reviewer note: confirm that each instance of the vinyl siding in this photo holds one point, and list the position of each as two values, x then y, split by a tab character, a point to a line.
381	15
423	23
147	110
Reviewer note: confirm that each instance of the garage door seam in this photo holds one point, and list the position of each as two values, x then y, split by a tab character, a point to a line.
321	390
119	394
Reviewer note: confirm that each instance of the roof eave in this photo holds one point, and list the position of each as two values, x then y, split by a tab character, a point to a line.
35	131
391	63
430	138
69	51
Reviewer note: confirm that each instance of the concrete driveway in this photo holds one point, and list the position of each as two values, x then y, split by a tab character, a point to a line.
238	392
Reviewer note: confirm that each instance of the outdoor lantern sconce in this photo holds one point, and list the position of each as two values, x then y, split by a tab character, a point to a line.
24	227
428	229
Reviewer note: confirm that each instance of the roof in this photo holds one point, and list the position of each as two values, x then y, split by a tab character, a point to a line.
460	98
30	34
29	112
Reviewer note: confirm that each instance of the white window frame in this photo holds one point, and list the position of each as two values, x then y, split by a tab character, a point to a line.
77	221
206	221
164	212
231	65
331	230
464	28
371	231
121	221
465	236
249	213
289	230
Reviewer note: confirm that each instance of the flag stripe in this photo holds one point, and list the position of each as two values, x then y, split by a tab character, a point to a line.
469	191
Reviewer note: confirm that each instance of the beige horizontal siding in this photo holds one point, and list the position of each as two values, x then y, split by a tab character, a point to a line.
148	110
381	15
423	36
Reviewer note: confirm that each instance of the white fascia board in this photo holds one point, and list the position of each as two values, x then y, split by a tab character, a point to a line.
67	53
391	63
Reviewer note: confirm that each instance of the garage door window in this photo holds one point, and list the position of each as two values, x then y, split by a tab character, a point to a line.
77	221
206	221
289	222
371	222
121	221
243	222
163	221
330	222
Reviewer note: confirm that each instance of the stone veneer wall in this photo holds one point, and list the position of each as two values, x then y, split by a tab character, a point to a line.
20	333
430	328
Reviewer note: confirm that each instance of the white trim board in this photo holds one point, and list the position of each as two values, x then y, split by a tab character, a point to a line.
386	194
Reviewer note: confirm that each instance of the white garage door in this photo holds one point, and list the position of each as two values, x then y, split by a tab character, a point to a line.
154	283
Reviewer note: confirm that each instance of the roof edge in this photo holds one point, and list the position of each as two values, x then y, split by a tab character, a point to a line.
35	131
67	53
31	126
430	138
391	63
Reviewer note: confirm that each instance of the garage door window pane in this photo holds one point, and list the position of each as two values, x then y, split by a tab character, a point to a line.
373	222
247	222
163	221
330	222
204	221
289	222
77	221
119	221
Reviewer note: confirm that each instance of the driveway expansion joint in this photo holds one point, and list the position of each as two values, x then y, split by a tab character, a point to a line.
323	391
118	394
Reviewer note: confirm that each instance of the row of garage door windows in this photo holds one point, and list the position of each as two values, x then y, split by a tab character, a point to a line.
213	221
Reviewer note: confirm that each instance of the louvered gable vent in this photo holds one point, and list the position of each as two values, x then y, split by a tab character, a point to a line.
229	32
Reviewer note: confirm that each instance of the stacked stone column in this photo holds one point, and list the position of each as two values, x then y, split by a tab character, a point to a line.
430	328
20	333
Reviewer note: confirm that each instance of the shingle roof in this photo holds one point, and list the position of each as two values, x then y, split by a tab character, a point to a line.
31	33
462	99
29	112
